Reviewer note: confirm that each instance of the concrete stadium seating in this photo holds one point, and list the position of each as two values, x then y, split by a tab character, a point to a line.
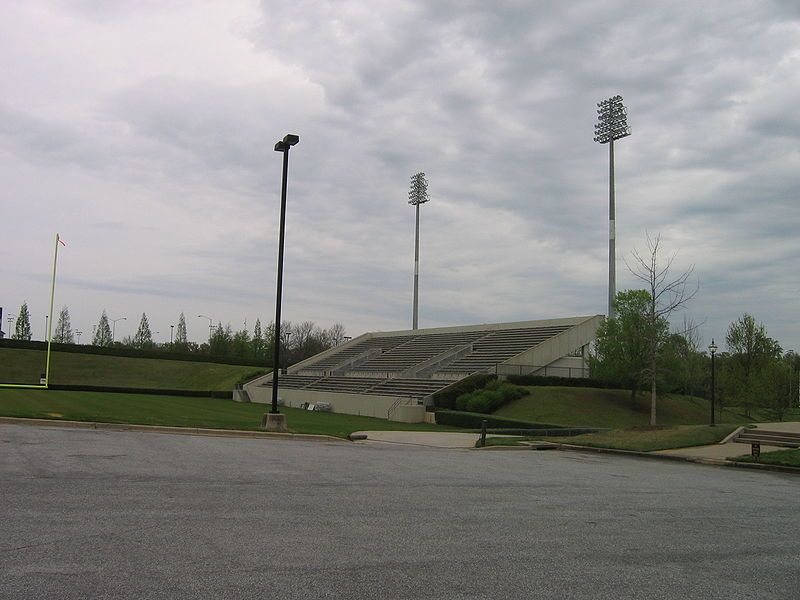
410	366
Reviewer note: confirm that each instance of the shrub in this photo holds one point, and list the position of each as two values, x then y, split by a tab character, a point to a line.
548	380
490	398
473	421
446	398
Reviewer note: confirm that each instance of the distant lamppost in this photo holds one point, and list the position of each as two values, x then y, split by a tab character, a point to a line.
713	350
114	327
46	318
210	326
612	125
171	330
417	194
272	421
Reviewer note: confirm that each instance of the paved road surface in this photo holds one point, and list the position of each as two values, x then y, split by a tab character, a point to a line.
92	514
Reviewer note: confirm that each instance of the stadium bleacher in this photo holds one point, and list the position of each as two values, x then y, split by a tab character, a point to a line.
415	364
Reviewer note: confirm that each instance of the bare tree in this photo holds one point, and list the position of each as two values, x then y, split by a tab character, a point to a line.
667	294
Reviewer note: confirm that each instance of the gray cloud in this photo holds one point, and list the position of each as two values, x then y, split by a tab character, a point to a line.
162	170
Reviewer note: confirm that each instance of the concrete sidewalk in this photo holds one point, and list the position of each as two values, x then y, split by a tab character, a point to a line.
430	439
730	449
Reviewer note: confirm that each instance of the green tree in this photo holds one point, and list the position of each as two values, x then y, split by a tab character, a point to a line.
219	346
666	295
241	345
144	337
23	325
64	333
752	370
258	342
181	343
102	333
620	354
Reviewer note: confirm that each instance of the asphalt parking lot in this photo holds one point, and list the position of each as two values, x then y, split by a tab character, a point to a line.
93	514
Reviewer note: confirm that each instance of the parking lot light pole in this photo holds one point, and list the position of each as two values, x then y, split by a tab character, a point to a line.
114	328
273	422
713	350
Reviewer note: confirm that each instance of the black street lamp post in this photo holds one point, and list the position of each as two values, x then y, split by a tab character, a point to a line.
272	422
713	350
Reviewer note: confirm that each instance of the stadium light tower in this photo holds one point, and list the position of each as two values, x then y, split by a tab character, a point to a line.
612	124
274	421
418	194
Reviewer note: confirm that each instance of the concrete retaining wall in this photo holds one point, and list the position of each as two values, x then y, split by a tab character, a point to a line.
351	404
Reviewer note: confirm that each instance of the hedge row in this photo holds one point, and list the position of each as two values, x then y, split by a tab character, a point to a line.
490	398
129	352
473	421
446	398
558	432
549	380
224	394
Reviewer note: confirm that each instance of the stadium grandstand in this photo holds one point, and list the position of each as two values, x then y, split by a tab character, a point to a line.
394	374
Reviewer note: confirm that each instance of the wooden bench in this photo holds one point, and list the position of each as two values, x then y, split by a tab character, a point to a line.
757	437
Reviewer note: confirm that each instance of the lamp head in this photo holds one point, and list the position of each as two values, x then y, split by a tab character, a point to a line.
287	142
713	347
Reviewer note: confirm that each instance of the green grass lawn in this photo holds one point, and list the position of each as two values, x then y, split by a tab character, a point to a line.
176	411
24	366
593	407
639	439
649	440
786	458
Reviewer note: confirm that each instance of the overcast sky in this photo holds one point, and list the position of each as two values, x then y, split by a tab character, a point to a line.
143	131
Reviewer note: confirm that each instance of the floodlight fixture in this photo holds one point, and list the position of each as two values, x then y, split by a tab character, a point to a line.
612	120
612	124
417	194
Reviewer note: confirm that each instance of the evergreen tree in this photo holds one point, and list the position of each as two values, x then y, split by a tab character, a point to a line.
181	338
102	334
144	337
23	327
63	333
258	341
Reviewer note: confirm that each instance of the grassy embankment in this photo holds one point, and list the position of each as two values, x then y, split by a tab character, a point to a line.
786	458
176	411
24	366
643	439
593	407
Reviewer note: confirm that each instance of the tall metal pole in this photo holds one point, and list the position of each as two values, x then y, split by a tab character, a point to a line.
612	125
713	389
277	328
50	320
415	319
417	194
612	234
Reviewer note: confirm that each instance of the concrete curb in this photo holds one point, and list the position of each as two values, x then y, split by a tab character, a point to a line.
239	433
676	457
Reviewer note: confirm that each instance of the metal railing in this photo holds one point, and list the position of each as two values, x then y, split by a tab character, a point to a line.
544	371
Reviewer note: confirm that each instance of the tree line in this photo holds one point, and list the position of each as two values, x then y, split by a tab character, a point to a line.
639	349
299	340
